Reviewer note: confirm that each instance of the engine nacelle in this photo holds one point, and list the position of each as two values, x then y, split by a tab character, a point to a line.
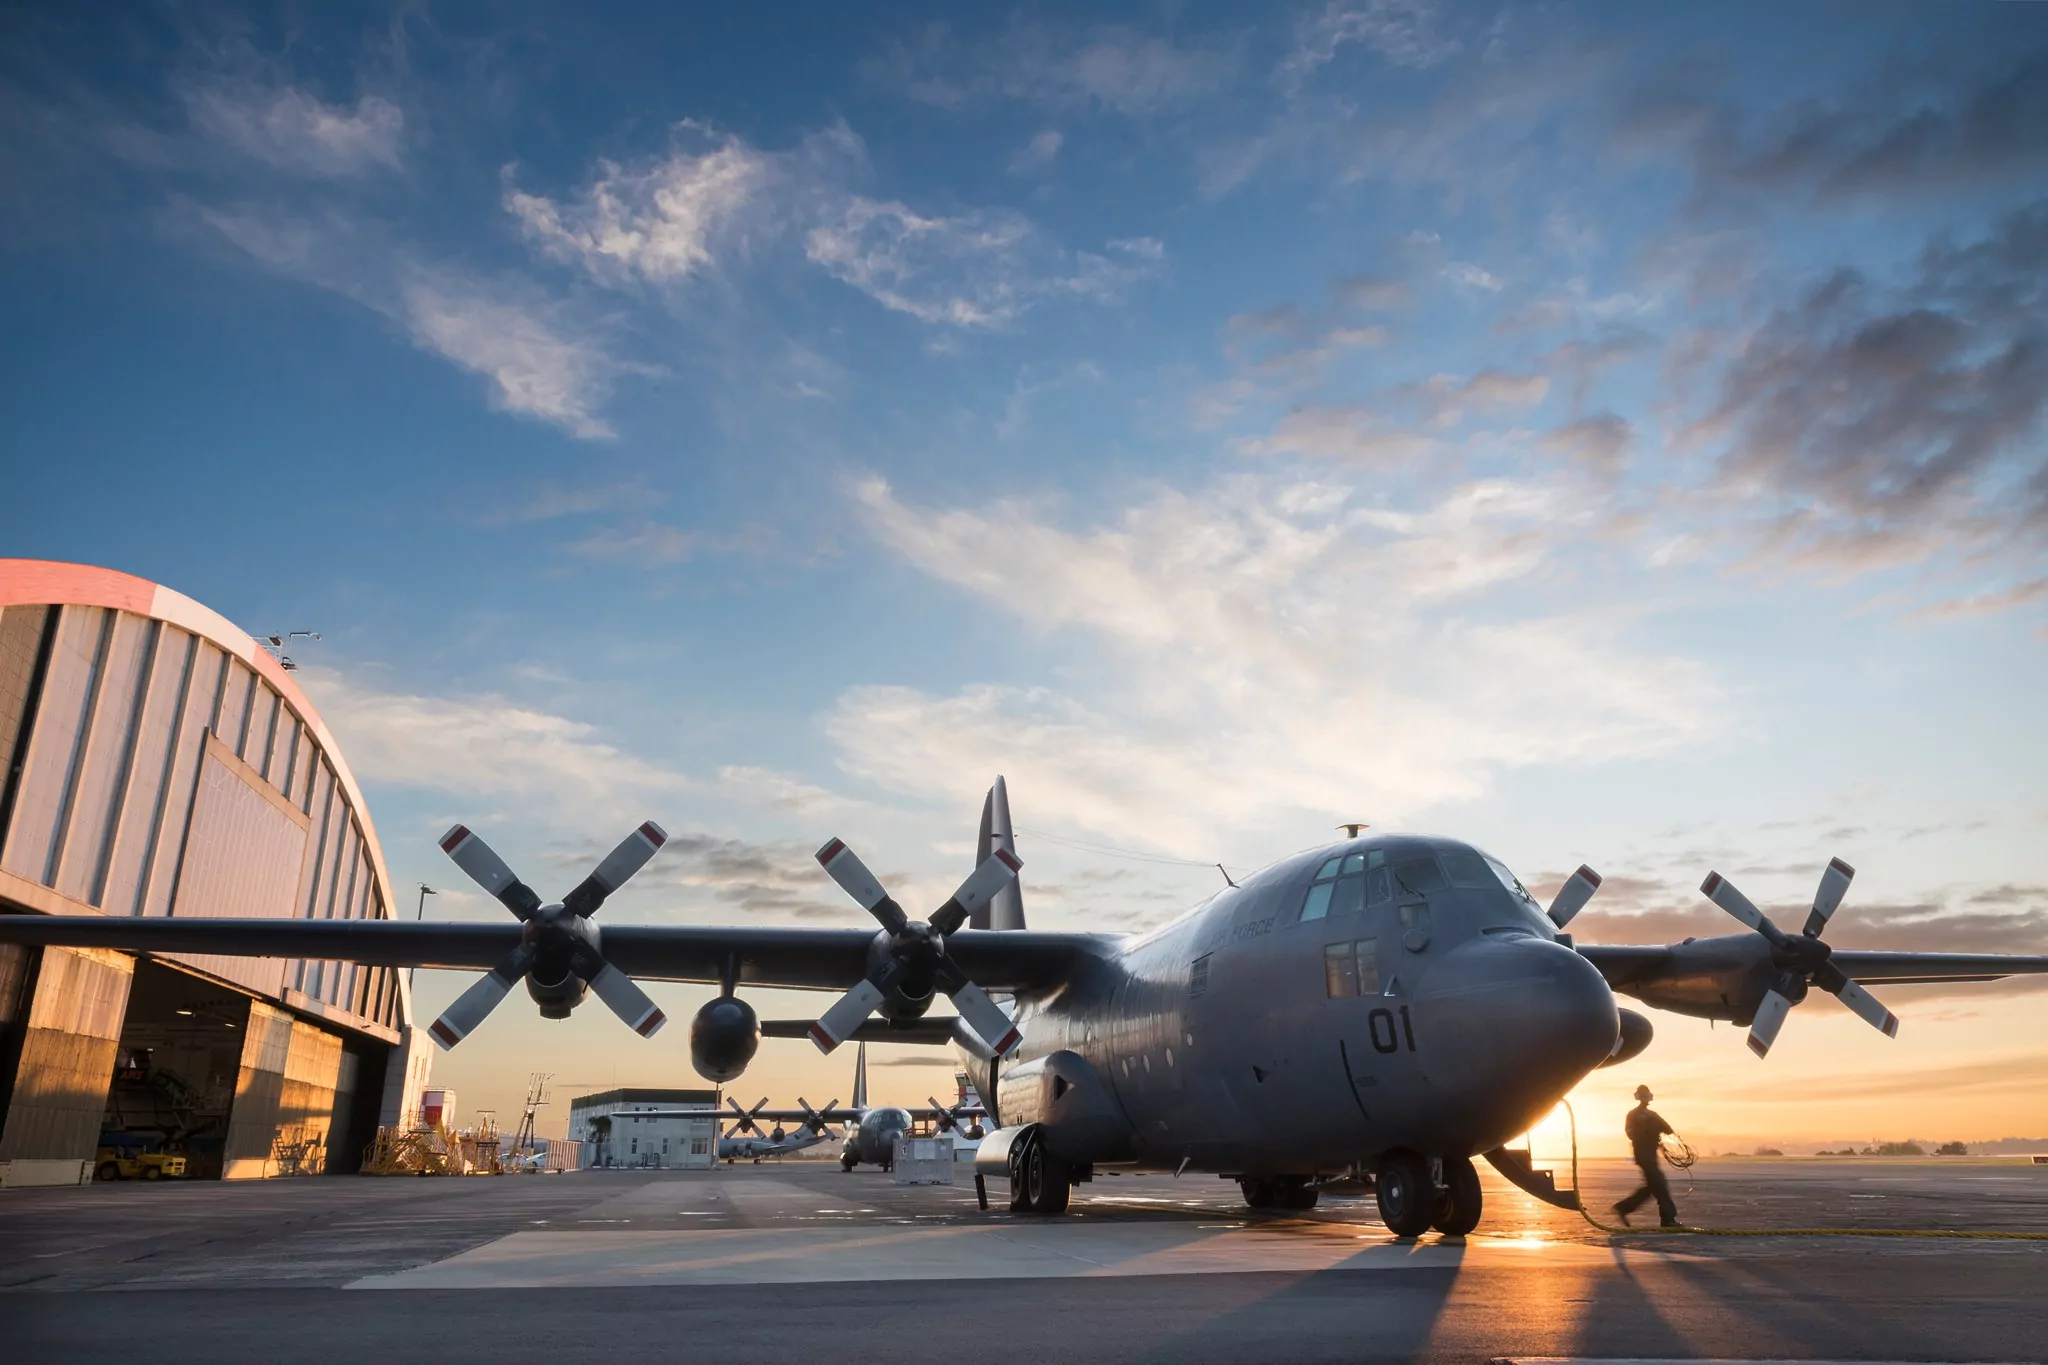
723	1038
1635	1036
556	997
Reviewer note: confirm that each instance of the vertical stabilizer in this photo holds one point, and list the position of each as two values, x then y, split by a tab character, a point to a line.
860	1077
1006	910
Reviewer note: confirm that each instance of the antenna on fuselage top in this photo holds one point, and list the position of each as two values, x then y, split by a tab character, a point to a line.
1351	828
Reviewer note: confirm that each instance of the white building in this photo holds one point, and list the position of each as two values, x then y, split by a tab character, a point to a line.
656	1129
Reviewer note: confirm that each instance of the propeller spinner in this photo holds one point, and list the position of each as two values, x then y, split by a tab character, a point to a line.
559	940
1801	959
916	953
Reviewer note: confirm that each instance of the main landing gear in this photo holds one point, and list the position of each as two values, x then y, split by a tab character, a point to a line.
1040	1182
1411	1203
1279	1192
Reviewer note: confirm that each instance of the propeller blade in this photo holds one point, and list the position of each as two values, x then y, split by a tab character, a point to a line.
846	868
985	1017
837	1024
1723	893
981	887
627	1000
1573	895
1770	1017
460	1019
941	1116
1866	1006
489	871
1834	884
746	1120
617	869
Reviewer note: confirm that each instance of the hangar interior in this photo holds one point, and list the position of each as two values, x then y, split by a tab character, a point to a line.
160	762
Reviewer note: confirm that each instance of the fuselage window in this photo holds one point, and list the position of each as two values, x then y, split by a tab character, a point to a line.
1351	969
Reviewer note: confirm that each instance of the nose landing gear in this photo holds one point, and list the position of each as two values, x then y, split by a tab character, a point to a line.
1279	1192
1411	1201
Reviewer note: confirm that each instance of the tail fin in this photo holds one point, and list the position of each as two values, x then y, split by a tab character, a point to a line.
860	1077
1006	910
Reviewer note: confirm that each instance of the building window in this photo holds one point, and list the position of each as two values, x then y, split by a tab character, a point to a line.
699	1146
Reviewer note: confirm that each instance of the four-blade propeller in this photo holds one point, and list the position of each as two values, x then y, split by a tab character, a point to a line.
746	1122
559	941
818	1120
915	958
1801	959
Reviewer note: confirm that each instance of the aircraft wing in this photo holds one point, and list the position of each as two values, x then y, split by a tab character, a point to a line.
1626	965
808	959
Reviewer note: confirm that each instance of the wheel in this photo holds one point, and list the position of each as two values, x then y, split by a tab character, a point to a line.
1295	1192
1045	1181
1258	1194
106	1170
847	1163
1406	1196
152	1173
1457	1207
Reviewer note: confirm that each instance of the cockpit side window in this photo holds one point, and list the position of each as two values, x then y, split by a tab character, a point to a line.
1419	876
1469	870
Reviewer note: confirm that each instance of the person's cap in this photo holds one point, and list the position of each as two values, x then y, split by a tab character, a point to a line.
1643	1092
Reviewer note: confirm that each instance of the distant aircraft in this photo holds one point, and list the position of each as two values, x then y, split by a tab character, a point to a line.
869	1131
1387	1005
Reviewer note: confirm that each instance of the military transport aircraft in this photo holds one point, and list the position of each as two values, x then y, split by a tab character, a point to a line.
1387	1005
869	1131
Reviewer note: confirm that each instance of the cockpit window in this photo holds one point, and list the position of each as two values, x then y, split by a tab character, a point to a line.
1510	881
1468	870
1419	875
1340	887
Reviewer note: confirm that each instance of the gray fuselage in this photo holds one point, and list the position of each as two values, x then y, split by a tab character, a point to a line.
1384	992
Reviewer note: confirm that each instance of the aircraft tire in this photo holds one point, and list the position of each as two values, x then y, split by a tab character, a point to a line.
1046	1183
1458	1207
1299	1194
1407	1197
1258	1194
847	1164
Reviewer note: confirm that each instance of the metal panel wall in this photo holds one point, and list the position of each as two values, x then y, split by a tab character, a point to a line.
21	635
242	855
43	800
266	1048
136	837
231	722
202	699
107	746
67	1055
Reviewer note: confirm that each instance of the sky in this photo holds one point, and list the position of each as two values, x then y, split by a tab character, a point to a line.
1604	433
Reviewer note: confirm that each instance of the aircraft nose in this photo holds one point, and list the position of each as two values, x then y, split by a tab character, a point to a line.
1512	1022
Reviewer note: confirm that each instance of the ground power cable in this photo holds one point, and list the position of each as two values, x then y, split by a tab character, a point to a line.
1686	1230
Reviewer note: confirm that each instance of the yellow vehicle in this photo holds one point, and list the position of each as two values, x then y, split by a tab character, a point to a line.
130	1161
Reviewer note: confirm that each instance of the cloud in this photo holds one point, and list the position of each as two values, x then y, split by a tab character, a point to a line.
1373	292
551	502
653	544
1228	676
1600	442
1466	275
1037	154
980	268
661	220
1865	426
1402	32
779	880
1932	131
538	362
1351	432
486	748
289	129
535	367
1109	67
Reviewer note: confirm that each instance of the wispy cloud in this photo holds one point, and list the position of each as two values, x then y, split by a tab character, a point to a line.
291	129
1224	629
1037	154
1403	32
538	362
660	220
1109	67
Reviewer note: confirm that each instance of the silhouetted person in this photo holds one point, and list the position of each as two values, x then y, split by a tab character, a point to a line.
1645	1126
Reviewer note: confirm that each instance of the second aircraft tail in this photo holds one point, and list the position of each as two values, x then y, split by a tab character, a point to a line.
1006	910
